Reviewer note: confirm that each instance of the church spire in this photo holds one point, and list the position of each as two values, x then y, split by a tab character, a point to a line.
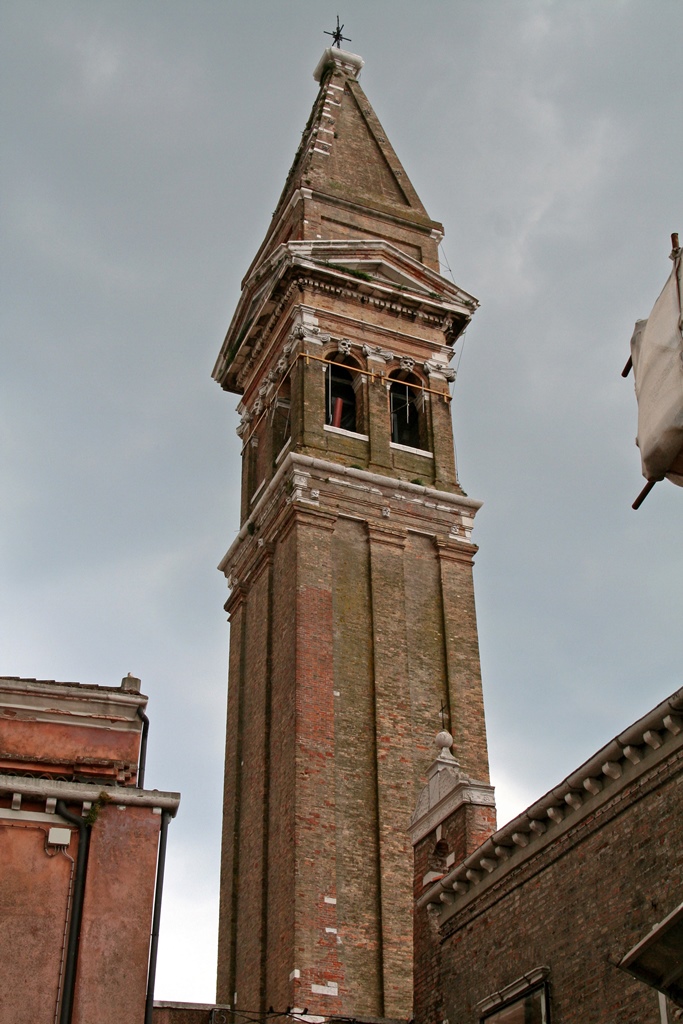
346	180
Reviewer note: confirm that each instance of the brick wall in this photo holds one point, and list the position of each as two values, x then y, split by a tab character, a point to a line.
577	906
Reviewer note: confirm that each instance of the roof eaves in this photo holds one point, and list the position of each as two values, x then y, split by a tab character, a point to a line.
648	741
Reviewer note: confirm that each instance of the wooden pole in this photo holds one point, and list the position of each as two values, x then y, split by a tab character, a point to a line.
643	494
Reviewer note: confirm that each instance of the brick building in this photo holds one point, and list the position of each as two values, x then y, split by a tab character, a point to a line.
352	610
570	912
80	841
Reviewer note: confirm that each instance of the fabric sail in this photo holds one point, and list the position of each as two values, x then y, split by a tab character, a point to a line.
657	354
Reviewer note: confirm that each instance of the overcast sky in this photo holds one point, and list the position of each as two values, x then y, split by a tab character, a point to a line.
144	149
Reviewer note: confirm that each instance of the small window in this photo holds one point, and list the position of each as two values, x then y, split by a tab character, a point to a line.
340	395
405	402
529	1008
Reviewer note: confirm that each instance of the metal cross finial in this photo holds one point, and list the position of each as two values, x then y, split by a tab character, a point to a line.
337	36
443	715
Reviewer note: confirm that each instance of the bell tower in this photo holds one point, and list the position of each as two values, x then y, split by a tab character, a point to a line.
351	607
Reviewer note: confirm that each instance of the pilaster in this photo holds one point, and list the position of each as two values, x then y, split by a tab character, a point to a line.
378	406
465	697
321	973
445	474
230	863
393	740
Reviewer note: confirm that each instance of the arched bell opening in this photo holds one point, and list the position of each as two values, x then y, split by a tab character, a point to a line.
340	392
406	407
282	417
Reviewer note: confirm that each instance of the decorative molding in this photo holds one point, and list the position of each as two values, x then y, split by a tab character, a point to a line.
377	352
519	987
408	502
447	790
423	295
78	792
432	367
563	809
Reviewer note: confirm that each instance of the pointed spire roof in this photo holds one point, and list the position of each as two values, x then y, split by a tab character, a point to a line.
346	180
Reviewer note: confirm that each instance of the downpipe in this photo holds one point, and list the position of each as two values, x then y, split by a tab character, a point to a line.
140	781
156	917
73	941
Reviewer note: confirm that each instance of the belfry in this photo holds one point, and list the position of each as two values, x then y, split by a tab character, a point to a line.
351	608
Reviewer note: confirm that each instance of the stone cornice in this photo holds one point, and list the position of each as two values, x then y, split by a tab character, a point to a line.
633	754
424	295
466	791
38	790
71	703
520	870
388	538
305	476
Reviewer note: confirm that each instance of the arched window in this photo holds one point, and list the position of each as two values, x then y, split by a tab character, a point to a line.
405	404
282	421
340	395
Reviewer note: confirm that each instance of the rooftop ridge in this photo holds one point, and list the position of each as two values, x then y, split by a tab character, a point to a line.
7	681
644	743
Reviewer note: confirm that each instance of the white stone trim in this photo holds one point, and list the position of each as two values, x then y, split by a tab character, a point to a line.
377	483
331	988
346	433
414	451
465	792
530	980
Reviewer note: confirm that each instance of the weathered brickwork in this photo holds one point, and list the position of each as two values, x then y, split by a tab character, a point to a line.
465	698
575	902
227	917
321	786
357	882
353	551
394	735
253	831
282	778
185	1013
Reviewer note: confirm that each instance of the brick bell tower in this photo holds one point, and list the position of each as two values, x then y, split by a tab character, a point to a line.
351	608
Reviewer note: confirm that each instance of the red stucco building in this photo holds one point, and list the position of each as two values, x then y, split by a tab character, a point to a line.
81	842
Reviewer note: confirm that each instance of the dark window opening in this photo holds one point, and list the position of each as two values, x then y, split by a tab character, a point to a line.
340	397
253	468
406	415
530	1008
282	419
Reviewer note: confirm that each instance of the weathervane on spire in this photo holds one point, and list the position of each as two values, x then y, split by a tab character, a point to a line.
337	36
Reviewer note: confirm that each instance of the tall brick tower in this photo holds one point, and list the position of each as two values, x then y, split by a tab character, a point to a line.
351	608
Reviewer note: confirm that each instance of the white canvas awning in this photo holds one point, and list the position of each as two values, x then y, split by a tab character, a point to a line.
657	355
